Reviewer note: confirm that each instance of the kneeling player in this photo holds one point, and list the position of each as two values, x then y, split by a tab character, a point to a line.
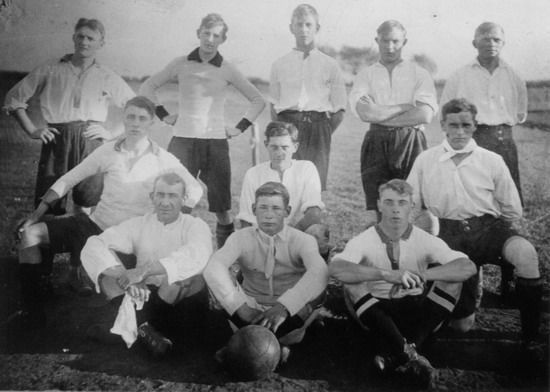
393	293
284	276
172	250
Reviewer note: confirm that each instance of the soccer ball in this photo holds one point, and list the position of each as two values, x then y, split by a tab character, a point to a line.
253	353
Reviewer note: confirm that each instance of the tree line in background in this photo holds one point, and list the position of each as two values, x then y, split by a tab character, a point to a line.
352	59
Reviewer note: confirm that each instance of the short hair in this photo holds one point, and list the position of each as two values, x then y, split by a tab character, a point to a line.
212	20
170	178
304	10
390	25
279	128
143	103
273	189
458	105
486	27
92	24
397	185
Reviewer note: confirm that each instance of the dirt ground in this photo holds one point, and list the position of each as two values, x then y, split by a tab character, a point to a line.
334	358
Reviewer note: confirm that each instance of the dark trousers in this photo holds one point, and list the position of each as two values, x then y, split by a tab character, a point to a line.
388	153
56	159
498	138
314	136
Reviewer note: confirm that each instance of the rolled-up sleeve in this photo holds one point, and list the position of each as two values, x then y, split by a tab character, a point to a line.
19	95
218	277
425	89
191	258
98	253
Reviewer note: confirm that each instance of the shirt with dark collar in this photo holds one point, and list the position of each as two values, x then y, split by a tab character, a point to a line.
217	60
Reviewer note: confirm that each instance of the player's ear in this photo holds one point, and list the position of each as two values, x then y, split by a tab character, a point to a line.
151	195
254	208
378	204
199	33
266	143
474	44
287	211
405	41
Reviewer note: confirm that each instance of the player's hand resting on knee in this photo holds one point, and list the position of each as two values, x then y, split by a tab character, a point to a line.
139	291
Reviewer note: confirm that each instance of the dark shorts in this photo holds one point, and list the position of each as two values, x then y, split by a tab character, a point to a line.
314	136
208	160
388	153
70	233
498	138
482	239
56	159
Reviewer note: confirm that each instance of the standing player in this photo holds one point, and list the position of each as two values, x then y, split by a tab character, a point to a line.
394	292
396	97
307	89
75	93
498	93
200	138
300	178
471	191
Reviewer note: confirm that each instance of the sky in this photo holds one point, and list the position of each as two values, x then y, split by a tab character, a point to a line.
144	35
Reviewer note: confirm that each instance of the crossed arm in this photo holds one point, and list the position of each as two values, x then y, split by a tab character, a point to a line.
402	115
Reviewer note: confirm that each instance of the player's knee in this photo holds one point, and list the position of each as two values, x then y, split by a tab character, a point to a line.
33	235
463	325
176	292
322	236
523	256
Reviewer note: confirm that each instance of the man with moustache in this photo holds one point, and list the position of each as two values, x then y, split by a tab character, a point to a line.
396	97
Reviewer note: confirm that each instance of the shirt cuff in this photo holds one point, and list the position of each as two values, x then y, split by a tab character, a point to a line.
161	112
171	270
233	301
243	124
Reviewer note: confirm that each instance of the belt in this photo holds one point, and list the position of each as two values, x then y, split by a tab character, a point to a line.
500	131
471	224
309	116
378	127
73	123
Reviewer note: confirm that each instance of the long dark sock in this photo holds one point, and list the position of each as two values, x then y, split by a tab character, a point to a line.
529	300
382	324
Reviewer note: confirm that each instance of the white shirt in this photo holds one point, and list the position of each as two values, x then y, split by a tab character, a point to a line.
409	84
499	97
182	247
126	188
314	83
480	184
65	95
417	250
301	180
202	89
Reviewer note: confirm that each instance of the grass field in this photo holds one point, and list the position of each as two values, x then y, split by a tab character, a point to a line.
344	198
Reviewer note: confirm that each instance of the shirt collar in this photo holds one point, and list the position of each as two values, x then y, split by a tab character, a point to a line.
216	61
154	146
385	239
67	59
282	235
169	225
501	63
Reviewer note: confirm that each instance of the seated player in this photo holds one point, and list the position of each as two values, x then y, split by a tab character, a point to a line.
388	283
171	249
284	277
300	178
471	191
130	166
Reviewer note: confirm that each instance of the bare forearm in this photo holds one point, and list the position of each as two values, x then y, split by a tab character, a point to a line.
415	116
375	113
457	270
350	273
24	121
